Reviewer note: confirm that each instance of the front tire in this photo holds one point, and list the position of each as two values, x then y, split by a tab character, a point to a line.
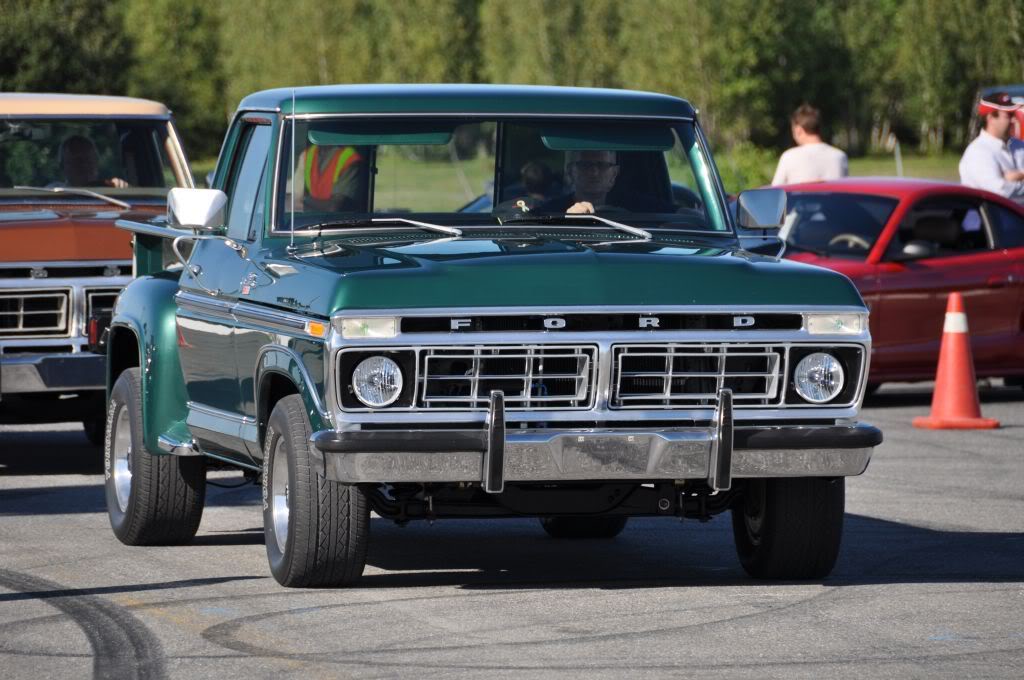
789	529
584	527
152	499
317	531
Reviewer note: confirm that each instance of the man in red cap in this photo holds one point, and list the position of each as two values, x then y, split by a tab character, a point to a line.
994	161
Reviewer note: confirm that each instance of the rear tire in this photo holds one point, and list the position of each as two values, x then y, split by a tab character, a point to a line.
584	527
152	499
317	531
790	528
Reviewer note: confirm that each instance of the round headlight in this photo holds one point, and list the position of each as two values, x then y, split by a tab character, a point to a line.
819	377
377	381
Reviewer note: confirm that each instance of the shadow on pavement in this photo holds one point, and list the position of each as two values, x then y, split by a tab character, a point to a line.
39	452
86	498
659	552
110	590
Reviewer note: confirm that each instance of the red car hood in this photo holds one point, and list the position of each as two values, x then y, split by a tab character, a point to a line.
851	268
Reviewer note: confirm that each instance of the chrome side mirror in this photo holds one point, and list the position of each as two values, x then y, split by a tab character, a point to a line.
761	208
201	210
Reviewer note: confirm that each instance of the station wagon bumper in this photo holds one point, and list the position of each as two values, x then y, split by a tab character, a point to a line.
494	456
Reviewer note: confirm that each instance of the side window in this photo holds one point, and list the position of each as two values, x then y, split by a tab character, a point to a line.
244	182
1008	226
945	227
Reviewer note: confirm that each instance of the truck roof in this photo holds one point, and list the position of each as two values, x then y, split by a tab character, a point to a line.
39	104
469	99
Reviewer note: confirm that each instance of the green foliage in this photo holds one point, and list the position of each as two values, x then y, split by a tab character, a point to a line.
745	166
874	67
176	61
59	46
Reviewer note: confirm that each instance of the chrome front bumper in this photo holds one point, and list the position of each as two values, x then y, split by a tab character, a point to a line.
28	373
494	456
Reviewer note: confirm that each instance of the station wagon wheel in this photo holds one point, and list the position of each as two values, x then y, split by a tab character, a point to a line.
789	528
152	499
316	530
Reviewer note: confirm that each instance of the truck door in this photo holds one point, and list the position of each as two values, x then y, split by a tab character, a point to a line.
206	323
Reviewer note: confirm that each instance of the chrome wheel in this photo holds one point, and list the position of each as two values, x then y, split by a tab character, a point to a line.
279	494
121	465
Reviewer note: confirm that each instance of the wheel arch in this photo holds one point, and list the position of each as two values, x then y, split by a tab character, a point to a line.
279	373
143	333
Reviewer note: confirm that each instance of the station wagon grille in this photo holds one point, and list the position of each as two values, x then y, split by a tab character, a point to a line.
34	313
680	375
531	376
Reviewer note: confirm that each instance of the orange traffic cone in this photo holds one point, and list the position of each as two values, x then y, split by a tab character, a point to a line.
955	401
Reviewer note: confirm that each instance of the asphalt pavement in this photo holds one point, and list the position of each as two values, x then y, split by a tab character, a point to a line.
929	584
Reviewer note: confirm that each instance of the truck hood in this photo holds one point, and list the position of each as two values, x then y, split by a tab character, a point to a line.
65	233
553	272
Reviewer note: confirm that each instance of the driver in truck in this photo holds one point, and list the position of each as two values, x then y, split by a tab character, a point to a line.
592	175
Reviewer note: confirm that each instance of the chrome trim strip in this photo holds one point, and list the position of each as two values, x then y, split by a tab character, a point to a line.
486	115
168	444
214	412
251	312
245	313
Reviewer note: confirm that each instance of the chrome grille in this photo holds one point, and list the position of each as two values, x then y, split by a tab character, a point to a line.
678	375
32	313
100	302
531	376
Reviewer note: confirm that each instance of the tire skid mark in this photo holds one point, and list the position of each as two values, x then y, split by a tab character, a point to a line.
123	648
224	634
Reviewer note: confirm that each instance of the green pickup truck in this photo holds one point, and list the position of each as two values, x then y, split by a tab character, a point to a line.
480	301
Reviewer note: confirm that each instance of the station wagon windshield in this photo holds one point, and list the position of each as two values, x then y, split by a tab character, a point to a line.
343	173
128	158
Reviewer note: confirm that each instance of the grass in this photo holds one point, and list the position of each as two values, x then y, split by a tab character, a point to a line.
933	167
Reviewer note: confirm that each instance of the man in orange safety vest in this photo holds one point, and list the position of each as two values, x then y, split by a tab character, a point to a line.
335	179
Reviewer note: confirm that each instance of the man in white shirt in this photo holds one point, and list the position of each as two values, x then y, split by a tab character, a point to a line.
994	161
811	160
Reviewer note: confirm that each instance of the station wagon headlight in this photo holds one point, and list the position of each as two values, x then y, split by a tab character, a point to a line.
836	324
377	381
818	377
369	327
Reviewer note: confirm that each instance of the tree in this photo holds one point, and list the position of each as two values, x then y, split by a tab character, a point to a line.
175	60
57	46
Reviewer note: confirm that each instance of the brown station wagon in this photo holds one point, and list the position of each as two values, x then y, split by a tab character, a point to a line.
70	165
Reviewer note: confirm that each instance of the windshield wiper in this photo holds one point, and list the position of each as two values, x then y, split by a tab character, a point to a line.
358	222
553	217
77	192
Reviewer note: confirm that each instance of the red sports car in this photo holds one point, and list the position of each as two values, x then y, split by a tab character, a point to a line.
907	244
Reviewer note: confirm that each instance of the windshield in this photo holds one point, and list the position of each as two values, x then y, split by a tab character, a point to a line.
120	157
835	225
650	174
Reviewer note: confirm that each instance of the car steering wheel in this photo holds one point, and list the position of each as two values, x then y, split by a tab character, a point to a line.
851	240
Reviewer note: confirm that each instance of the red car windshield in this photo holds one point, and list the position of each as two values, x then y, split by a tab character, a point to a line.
835	224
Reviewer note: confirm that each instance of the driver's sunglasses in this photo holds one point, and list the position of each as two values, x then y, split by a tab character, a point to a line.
587	166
